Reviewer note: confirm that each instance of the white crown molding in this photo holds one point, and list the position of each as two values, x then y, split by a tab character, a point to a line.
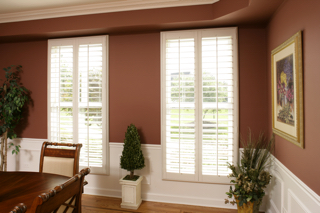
107	7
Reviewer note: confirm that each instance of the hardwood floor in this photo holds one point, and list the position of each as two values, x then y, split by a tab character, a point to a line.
97	204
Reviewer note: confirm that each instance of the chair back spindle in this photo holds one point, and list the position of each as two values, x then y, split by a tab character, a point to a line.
20	208
63	198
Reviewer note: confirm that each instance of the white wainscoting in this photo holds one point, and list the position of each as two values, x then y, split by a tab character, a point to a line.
286	193
153	187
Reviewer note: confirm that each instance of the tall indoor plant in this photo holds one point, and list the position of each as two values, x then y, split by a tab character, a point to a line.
132	158
251	174
13	96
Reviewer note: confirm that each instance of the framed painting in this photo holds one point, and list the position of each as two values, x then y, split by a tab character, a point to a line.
287	90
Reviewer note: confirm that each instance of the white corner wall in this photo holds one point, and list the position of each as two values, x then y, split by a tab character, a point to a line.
288	194
285	194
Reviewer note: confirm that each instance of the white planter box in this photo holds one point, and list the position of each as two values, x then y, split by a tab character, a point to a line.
131	193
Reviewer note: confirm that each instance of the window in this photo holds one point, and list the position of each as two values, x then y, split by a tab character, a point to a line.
78	97
199	104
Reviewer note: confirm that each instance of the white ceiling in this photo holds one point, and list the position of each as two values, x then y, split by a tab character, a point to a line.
21	10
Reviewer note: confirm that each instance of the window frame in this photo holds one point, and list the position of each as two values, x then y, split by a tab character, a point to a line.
76	42
198	35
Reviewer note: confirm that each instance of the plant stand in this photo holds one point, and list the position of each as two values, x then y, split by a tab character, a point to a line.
131	193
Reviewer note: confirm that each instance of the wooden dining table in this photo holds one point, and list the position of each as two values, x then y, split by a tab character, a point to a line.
24	187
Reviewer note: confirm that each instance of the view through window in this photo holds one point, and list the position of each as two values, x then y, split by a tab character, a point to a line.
77	97
199	104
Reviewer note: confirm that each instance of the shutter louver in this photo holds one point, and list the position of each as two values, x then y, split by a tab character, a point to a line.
199	104
217	105
78	97
90	104
180	106
61	94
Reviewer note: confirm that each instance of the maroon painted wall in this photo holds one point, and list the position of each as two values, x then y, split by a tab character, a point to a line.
121	22
295	15
253	81
134	64
134	83
33	58
135	86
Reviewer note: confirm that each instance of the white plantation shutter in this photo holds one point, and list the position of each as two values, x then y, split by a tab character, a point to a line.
180	133
78	97
199	104
61	93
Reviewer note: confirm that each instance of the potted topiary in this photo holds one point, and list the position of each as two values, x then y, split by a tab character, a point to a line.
13	97
251	176
131	159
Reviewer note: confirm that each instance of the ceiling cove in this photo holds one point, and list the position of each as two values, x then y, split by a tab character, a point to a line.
32	12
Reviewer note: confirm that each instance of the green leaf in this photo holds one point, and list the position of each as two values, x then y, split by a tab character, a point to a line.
12	101
229	194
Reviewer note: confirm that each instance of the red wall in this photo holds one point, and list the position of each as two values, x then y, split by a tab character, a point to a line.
135	86
33	58
134	83
134	64
121	22
295	15
253	81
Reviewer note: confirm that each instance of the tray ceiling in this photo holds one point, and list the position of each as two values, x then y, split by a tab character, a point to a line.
22	10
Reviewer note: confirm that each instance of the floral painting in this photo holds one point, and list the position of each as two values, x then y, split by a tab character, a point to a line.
285	90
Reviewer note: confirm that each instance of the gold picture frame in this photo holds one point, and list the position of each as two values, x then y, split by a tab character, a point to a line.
287	90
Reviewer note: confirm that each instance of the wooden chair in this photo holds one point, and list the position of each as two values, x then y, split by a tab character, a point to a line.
20	208
64	198
60	161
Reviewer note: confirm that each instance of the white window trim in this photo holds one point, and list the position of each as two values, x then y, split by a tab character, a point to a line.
105	169
198	177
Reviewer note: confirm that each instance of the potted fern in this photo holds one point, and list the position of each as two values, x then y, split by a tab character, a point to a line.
251	176
132	159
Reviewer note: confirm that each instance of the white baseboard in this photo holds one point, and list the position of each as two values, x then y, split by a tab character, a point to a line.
165	198
102	192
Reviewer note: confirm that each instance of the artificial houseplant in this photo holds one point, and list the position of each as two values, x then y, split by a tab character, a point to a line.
251	176
13	97
132	157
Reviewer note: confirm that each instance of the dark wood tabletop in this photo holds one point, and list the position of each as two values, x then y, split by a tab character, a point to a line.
23	187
